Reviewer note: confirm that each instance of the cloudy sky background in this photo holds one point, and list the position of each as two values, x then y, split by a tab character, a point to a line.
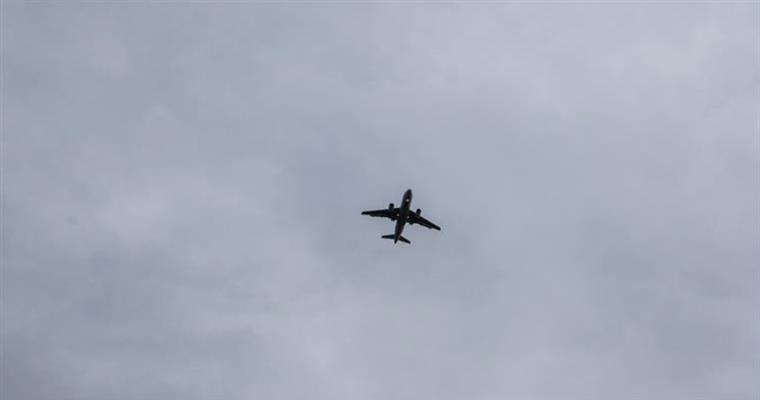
182	186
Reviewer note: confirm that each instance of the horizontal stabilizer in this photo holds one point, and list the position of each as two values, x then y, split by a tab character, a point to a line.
400	238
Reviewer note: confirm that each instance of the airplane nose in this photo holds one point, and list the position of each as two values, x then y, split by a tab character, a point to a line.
408	193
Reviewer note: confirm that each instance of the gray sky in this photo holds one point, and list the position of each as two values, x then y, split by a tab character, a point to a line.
182	186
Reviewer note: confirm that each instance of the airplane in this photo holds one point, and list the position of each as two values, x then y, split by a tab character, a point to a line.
402	215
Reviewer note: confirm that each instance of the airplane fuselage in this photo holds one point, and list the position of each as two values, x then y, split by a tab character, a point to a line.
403	213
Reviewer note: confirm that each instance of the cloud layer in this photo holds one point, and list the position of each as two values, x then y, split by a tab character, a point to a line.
182	186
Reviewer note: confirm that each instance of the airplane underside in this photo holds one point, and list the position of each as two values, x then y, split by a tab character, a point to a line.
402	215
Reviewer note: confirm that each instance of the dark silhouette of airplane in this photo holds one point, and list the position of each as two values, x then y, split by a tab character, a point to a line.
402	215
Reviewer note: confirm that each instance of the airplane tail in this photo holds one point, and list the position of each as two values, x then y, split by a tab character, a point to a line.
401	238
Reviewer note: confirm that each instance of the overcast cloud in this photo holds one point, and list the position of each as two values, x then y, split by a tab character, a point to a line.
182	186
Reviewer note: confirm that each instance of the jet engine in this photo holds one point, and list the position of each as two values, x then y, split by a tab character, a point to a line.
390	207
411	220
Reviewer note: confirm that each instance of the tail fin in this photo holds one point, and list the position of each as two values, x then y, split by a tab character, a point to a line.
401	238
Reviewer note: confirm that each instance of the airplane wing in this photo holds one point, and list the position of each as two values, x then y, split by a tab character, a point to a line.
419	219
385	213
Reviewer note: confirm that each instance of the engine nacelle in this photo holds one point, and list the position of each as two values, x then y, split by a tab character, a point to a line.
419	212
390	207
